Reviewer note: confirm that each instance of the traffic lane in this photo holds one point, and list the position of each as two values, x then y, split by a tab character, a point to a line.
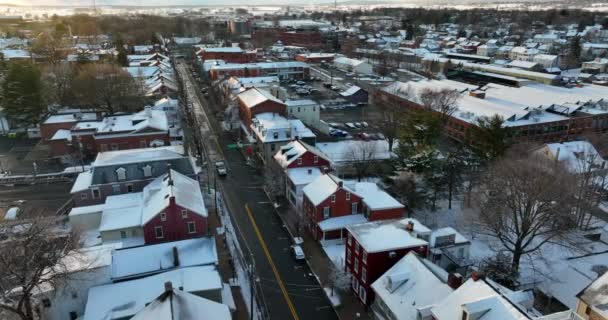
305	292
238	193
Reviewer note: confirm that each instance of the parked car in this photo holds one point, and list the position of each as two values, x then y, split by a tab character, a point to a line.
365	136
364	124
358	124
221	168
350	74
350	125
334	88
297	252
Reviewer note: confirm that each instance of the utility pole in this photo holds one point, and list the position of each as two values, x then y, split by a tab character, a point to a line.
252	269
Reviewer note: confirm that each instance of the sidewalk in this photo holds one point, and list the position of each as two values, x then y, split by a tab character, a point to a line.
321	266
225	267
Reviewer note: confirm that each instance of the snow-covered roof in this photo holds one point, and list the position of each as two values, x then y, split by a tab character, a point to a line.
350	91
288	153
387	235
301	103
124	299
348	61
186	191
517	105
71	117
223	49
477	297
596	295
259	65
254	96
136	209
183	306
411	286
157	258
346	150
576	155
110	158
446	231
149	118
303	176
97	208
376	198
62	134
321	188
522	64
83	181
9	54
339	223
271	127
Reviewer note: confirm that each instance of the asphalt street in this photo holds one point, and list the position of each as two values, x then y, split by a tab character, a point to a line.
290	290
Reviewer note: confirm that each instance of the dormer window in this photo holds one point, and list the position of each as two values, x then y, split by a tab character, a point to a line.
299	161
275	135
147	170
121	174
316	159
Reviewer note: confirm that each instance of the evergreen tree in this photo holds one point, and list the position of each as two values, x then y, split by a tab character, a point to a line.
490	138
22	94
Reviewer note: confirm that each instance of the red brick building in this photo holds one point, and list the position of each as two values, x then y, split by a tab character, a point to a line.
282	70
255	101
64	121
307	39
331	206
531	113
373	248
228	54
148	128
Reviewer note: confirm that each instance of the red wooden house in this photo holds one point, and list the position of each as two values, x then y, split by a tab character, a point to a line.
169	208
373	248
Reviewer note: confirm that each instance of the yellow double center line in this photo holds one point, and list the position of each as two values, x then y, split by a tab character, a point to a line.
272	266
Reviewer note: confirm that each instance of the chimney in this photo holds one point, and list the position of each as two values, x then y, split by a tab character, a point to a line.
326	170
410	226
309	171
175	257
454	280
476	275
170	182
340	183
477	94
557	153
168	286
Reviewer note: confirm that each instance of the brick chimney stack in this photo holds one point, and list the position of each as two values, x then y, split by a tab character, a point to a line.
454	280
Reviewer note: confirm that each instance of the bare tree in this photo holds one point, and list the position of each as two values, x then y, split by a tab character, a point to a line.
339	279
524	202
274	183
410	191
47	46
591	180
107	87
442	101
391	121
362	156
59	79
34	255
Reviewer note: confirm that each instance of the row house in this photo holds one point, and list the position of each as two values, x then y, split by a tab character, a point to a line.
331	205
271	131
228	54
148	128
523	53
282	70
372	248
128	171
169	208
301	164
65	120
255	101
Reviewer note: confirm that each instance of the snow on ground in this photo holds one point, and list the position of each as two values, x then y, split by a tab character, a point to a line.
242	276
536	267
335	250
333	297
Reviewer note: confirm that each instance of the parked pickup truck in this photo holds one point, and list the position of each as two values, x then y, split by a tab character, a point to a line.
221	168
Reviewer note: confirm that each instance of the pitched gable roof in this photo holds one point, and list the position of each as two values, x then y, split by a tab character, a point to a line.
254	96
288	153
323	187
